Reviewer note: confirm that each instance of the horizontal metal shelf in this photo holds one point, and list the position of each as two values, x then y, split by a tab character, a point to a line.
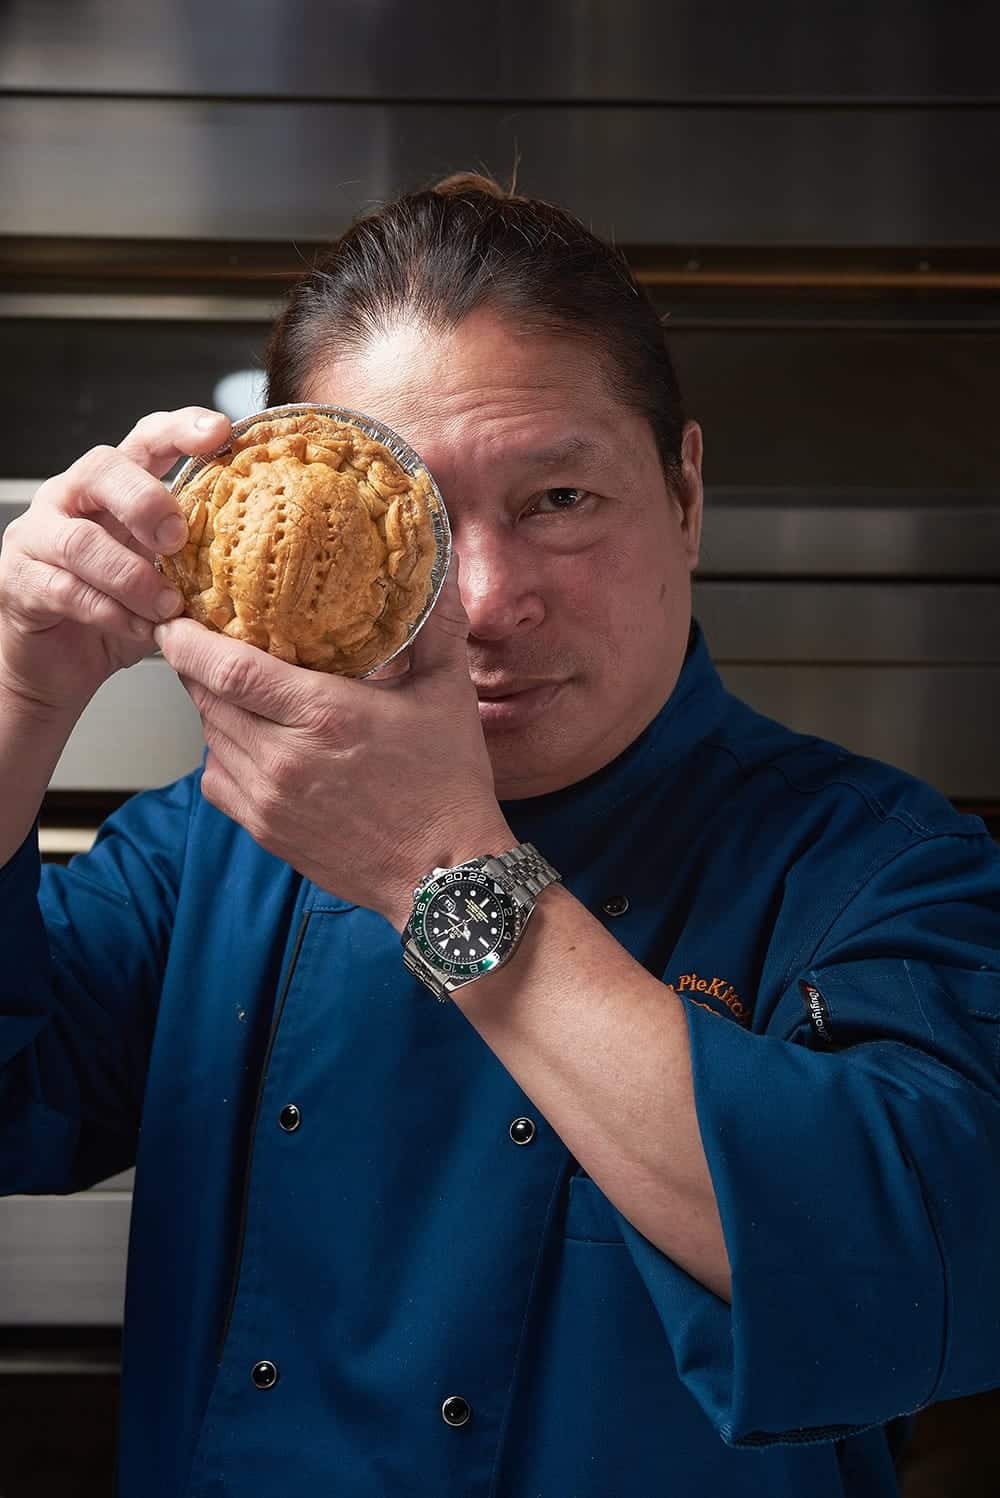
655	50
64	1259
80	166
938	723
862	623
877	534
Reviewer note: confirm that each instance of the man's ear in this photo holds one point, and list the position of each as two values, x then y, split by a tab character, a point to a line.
689	491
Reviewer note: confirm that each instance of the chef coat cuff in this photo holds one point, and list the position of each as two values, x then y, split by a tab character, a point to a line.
850	1189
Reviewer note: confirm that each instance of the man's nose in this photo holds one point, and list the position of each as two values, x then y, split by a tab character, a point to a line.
498	585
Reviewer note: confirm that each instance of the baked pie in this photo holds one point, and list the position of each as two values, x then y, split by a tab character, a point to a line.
308	539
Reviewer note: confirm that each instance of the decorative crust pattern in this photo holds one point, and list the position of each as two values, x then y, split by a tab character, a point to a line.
307	539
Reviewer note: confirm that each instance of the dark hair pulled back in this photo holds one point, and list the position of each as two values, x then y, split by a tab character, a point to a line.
438	255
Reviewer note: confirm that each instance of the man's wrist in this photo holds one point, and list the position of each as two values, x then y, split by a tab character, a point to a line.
444	847
23	705
23	717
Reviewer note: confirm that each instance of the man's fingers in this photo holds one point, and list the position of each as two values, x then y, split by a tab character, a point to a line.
222	783
122	482
239	726
239	673
157	441
441	641
392	671
232	753
88	552
152	447
44	595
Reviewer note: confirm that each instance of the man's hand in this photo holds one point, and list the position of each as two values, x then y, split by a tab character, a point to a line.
79	594
363	786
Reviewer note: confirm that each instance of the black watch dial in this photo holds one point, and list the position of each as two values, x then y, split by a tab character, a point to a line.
465	922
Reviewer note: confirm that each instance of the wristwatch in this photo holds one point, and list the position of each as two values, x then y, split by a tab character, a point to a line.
468	920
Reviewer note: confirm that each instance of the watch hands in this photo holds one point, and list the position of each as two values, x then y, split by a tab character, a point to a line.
461	928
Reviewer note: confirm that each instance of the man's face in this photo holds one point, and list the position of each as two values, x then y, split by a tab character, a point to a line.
575	559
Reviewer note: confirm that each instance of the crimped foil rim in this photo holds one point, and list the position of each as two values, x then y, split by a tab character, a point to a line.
408	459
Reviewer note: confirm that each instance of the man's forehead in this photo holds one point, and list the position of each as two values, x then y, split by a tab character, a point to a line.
543	393
562	451
487	428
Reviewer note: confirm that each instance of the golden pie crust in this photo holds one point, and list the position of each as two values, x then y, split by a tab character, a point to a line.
308	539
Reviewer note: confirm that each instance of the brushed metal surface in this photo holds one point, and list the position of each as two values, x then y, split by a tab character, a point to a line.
631	49
15	496
140	729
832	415
119	306
937	722
58	1362
242	171
62	1260
829	624
775	533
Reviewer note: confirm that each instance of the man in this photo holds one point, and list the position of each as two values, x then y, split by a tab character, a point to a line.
696	1192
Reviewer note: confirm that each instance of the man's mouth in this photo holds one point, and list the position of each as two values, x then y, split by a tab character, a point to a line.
499	691
514	703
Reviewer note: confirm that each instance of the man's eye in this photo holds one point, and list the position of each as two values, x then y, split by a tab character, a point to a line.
555	501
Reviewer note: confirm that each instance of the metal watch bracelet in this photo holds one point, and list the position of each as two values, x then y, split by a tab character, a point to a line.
523	867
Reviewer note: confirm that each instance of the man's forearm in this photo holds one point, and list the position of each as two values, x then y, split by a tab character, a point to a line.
32	738
601	1047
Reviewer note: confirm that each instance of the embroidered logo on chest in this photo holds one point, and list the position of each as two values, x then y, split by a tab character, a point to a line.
694	986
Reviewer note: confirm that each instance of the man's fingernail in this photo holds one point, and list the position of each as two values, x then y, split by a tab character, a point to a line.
171	533
159	635
168	602
205	421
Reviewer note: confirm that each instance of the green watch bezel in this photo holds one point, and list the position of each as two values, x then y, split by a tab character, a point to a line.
514	917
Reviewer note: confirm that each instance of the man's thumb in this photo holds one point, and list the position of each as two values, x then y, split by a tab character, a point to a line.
440	641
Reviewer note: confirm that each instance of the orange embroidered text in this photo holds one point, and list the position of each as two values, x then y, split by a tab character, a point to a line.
715	988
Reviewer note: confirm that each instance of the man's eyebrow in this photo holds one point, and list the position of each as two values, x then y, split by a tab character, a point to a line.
559	453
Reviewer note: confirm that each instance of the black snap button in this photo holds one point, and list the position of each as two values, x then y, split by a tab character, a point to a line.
522	1130
264	1375
289	1118
616	905
456	1411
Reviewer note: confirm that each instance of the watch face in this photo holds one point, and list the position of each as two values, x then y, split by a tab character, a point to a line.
465	923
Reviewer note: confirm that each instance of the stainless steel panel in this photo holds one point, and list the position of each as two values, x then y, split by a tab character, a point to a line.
938	722
140	729
183	169
829	414
98	377
121	1182
752	533
523	49
41	1361
63	1259
127	306
15	496
782	622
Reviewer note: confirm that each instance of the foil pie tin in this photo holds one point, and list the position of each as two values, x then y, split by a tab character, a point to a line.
410	462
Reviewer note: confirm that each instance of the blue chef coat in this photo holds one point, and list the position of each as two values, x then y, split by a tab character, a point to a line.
832	927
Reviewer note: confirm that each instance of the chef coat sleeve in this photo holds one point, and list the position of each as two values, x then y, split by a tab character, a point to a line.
85	947
857	1173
